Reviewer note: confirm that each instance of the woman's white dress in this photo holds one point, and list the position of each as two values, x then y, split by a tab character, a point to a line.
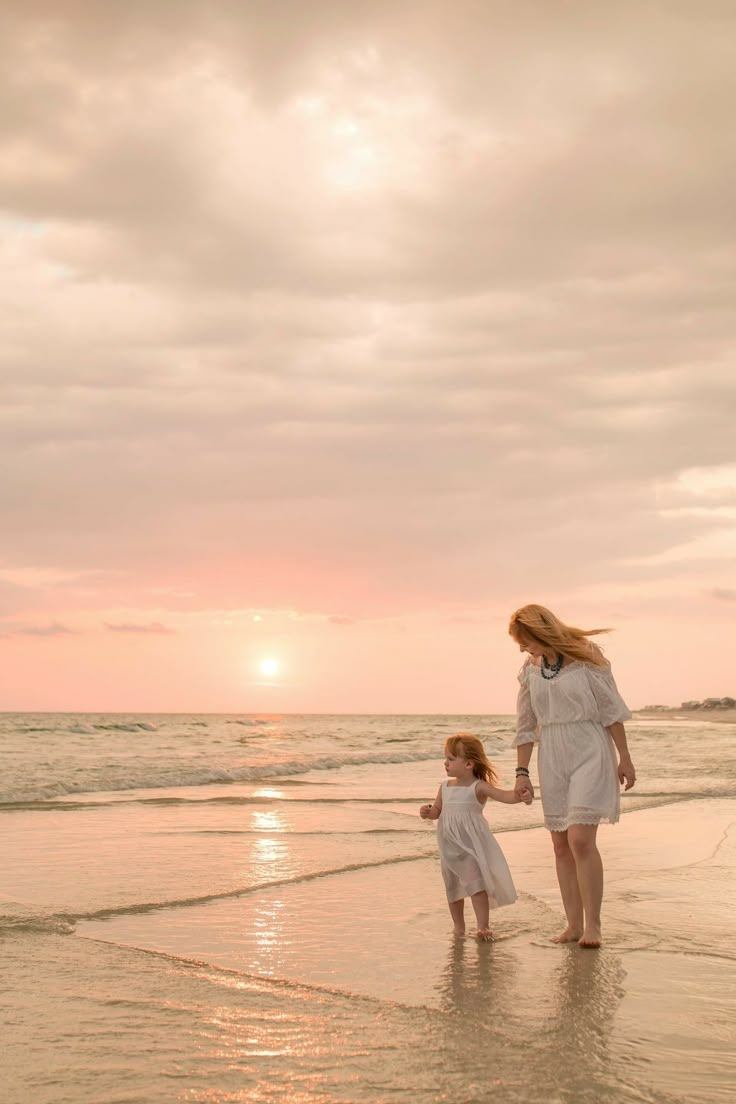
470	857
568	716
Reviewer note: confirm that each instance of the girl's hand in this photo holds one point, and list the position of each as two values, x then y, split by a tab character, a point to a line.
626	772
523	789
425	812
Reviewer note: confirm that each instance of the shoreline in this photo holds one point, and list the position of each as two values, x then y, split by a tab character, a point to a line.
714	716
656	998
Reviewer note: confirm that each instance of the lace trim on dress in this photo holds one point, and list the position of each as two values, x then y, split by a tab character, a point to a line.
561	824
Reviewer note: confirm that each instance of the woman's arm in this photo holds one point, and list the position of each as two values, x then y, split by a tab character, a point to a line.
432	812
626	772
612	712
523	784
526	733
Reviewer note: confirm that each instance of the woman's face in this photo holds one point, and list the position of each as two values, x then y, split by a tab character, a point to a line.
531	647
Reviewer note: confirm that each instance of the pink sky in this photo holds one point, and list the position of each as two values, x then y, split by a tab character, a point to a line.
331	340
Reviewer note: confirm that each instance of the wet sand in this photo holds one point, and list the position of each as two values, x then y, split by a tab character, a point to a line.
286	938
653	1009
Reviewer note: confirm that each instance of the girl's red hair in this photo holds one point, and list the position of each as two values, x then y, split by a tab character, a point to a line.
464	744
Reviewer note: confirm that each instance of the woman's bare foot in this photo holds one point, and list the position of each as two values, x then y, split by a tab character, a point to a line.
484	935
591	937
458	932
569	935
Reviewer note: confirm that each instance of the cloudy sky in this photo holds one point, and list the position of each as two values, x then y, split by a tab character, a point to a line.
332	331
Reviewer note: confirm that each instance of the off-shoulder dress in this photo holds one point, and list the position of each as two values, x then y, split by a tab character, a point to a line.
568	716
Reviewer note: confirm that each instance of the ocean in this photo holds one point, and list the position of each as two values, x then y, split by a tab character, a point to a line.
249	908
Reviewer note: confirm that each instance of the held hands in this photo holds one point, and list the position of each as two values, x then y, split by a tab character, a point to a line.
626	772
523	789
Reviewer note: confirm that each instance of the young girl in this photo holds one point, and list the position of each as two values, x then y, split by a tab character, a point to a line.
472	863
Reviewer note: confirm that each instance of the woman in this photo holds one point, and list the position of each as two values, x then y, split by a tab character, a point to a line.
569	704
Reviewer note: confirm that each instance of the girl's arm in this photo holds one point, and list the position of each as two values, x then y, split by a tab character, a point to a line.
626	772
509	797
432	812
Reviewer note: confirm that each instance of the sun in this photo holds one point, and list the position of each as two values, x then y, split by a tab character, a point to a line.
269	667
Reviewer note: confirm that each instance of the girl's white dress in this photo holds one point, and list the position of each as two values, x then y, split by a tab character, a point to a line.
568	716
470	858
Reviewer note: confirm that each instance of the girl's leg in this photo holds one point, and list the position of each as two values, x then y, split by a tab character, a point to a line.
481	908
457	912
582	839
567	876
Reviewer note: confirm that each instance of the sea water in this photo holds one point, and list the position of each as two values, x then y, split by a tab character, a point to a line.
248	908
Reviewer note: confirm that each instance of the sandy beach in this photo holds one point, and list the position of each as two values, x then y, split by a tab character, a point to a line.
651	1009
368	954
285	938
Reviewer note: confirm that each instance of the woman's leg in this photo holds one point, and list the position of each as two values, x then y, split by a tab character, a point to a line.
457	912
582	840
481	909
567	876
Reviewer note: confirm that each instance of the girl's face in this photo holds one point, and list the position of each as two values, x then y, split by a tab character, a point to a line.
457	766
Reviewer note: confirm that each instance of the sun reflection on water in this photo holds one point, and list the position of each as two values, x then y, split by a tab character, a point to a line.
269	822
269	937
270	859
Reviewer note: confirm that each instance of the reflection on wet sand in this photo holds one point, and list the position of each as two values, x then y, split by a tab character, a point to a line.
478	981
540	1025
588	988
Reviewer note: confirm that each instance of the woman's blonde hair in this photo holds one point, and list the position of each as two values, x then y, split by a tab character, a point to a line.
539	625
462	743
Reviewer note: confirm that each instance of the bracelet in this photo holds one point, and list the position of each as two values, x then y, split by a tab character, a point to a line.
522	770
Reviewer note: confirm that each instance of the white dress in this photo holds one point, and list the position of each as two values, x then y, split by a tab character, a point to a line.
470	857
568	716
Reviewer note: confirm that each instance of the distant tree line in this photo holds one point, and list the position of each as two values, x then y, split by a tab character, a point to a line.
710	703
706	703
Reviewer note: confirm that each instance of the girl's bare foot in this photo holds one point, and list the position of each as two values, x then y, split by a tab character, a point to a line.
569	935
484	935
591	937
458	932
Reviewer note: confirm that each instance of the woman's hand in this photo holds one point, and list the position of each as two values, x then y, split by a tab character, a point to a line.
524	789
626	772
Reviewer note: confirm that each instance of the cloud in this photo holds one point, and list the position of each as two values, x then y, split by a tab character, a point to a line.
54	629
153	627
400	306
723	594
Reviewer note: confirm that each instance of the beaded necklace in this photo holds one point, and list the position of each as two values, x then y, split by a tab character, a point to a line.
549	670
